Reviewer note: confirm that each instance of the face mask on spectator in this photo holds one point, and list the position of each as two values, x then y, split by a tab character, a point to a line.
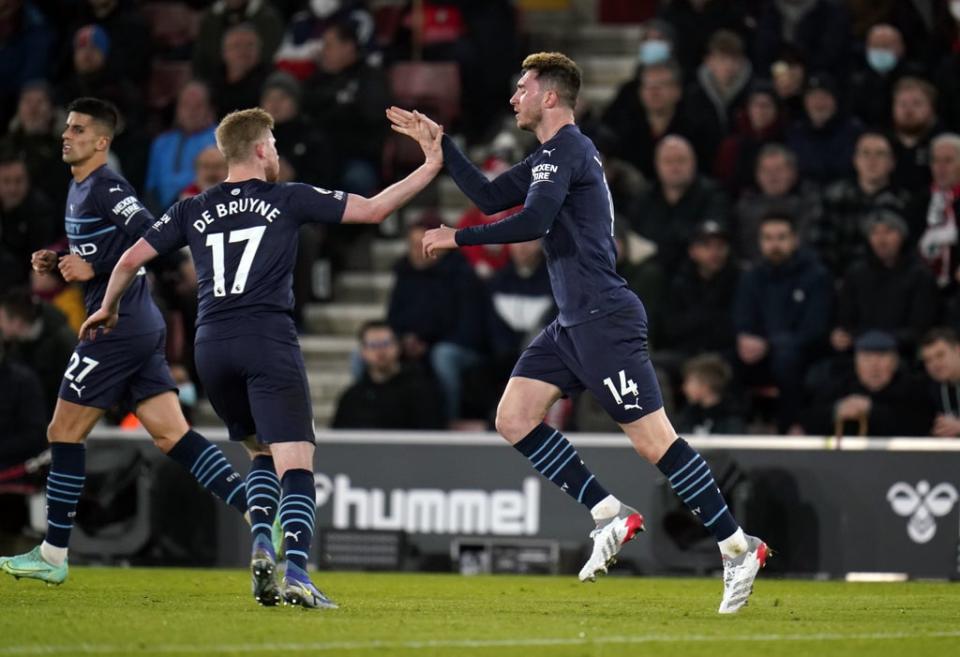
955	9
654	51
881	60
323	8
188	393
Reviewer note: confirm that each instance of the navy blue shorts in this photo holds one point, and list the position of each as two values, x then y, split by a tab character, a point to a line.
111	369
607	356
257	386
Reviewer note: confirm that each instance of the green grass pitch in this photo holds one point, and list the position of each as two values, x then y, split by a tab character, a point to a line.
146	612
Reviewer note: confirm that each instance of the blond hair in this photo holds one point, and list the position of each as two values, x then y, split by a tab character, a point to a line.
558	72
240	130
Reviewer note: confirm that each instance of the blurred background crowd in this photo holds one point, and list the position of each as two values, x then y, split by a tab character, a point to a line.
785	173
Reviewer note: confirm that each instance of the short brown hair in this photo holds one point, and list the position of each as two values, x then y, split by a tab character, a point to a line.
558	71
938	333
911	82
725	42
240	130
711	369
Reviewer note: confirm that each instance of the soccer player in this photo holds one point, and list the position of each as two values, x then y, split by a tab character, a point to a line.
104	217
598	341
243	237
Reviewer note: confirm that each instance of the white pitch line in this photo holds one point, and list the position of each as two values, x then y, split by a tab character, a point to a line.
95	649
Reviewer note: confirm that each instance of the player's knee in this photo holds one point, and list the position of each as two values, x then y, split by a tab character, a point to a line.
166	438
60	432
513	424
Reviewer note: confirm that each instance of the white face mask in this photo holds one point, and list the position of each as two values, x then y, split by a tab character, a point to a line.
955	9
323	8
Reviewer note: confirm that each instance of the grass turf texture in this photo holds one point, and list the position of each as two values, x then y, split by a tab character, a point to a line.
209	612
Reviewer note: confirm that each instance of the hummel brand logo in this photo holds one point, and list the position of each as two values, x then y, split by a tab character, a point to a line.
294	535
922	505
265	509
79	390
118	188
549	152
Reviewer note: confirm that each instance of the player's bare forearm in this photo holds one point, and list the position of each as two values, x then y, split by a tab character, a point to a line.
125	272
374	210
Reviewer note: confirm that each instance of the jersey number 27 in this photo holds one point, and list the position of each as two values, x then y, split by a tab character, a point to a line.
252	237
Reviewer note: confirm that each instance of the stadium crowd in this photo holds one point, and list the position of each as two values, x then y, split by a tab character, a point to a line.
786	176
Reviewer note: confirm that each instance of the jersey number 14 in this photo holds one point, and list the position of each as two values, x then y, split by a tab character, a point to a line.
252	237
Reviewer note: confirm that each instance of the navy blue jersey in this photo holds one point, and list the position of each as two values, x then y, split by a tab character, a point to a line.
104	218
243	238
562	185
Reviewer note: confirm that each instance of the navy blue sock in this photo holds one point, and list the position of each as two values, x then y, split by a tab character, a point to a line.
691	479
263	495
555	458
298	511
64	484
210	467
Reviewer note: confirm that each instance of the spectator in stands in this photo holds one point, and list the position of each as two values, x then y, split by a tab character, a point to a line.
824	138
789	76
390	395
839	236
210	168
301	145
667	213
709	409
347	97
928	28
820	29
871	85
782	314
34	135
888	290
522	298
947	79
643	115
129	33
25	51
91	77
779	188
37	336
303	36
226	14
173	153
877	396
915	124
23	414
720	88
238	82
696	21
761	124
638	265
28	220
438	308
658	44
697	316
939	243
940	351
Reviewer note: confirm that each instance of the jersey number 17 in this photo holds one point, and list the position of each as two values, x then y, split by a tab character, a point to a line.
252	237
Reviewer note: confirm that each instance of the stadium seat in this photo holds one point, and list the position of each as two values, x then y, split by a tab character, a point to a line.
626	11
166	79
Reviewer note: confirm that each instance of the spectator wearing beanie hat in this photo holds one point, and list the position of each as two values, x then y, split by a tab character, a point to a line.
303	148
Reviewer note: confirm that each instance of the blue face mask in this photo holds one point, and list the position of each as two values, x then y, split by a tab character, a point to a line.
188	394
881	60
654	51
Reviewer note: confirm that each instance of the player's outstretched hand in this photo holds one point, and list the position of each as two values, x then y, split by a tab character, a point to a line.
43	261
75	269
415	125
100	321
437	240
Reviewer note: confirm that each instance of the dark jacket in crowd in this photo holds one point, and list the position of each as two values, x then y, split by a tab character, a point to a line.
802	202
23	414
670	226
32	225
735	164
348	106
301	143
902	300
903	408
822	34
712	113
948	86
409	400
442	303
522	306
788	305
871	93
945	397
694	27
912	171
48	354
724	418
697	313
42	155
239	94
825	153
838	236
